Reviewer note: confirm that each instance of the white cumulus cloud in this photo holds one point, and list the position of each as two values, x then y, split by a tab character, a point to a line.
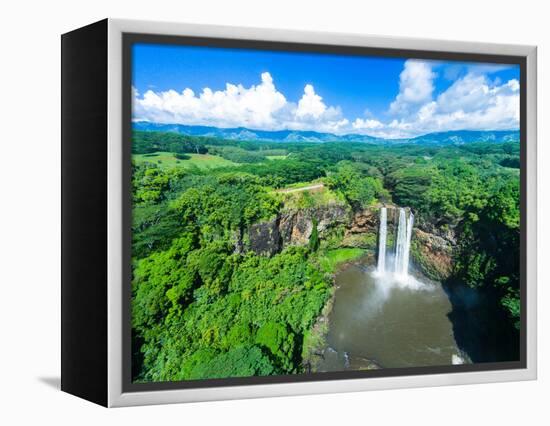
311	104
312	113
471	102
369	123
260	106
235	106
415	86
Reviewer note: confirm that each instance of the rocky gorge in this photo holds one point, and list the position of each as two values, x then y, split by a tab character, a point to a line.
338	226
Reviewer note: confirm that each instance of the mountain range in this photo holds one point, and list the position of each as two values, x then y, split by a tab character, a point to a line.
455	137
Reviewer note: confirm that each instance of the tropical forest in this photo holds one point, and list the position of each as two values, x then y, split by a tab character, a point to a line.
258	257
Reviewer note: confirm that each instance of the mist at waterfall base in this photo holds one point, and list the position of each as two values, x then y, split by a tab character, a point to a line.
387	315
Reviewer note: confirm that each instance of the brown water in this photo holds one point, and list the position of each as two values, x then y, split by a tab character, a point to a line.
394	324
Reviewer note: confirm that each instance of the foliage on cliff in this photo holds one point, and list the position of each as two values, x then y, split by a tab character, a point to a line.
489	247
197	305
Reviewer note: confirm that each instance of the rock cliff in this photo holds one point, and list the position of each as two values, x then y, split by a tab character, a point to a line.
431	247
432	254
296	226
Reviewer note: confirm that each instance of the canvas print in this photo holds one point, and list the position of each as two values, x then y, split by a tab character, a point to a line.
300	212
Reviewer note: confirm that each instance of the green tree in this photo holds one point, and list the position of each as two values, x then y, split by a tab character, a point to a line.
314	237
280	342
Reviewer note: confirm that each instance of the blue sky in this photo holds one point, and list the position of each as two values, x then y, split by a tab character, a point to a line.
388	97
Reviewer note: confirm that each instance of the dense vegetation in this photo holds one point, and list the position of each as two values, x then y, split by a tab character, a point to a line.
148	142
205	306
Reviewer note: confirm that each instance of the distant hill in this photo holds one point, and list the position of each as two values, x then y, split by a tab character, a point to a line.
242	133
459	137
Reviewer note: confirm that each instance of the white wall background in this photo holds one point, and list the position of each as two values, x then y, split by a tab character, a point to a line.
30	200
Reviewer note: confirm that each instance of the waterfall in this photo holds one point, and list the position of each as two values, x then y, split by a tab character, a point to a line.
402	244
382	241
406	251
393	265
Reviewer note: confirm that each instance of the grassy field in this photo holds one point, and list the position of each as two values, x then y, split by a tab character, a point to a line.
332	258
166	160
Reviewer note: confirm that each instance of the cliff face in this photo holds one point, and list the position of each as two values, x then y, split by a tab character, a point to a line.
431	247
432	254
265	237
362	229
296	226
445	231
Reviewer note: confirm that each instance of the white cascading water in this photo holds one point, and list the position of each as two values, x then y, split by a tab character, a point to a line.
402	245
407	249
382	241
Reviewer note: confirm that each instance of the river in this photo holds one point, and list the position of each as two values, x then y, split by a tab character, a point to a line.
388	323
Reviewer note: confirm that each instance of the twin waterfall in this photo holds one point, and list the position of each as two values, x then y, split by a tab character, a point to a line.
402	245
382	235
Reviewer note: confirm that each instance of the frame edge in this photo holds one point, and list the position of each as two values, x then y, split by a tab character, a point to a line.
116	396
